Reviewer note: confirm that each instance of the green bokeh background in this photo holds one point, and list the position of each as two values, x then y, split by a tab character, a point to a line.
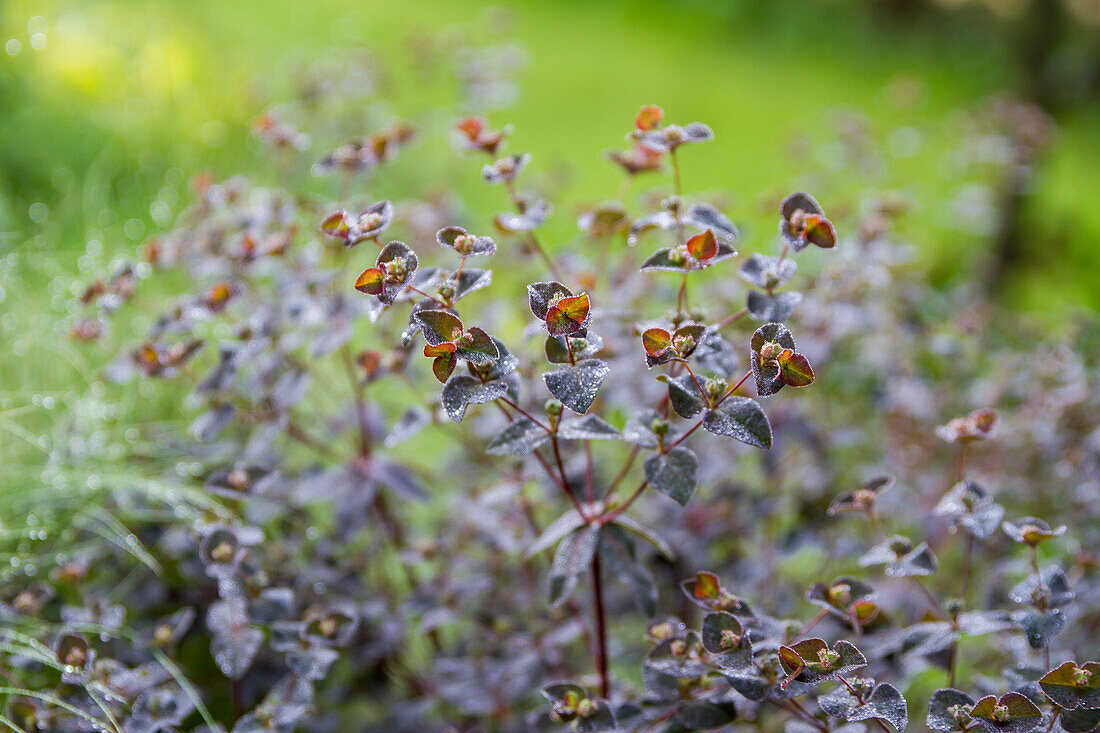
108	108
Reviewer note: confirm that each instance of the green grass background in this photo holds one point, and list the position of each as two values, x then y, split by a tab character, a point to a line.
103	125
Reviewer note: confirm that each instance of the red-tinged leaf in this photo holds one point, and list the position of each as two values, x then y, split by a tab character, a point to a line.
656	341
439	349
820	231
568	315
795	369
371	281
218	296
443	364
336	225
703	246
471	127
648	118
791	660
148	356
707	585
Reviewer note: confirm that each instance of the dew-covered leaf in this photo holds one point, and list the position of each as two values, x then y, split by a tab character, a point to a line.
518	439
724	637
704	714
471	280
1040	627
568	315
576	385
1020	715
741	418
1071	686
462	390
555	531
673	473
438	326
589	427
541	294
778	307
948	710
684	395
705	216
236	641
477	347
649	535
766	272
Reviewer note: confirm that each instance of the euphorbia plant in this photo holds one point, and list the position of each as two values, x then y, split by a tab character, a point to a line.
437	553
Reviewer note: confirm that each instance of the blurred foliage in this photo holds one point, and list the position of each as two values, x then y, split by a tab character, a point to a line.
123	101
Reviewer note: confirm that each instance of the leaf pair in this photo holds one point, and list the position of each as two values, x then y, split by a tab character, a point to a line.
812	661
700	216
563	313
485	382
775	362
671	137
662	346
506	169
475	134
392	269
803	222
355	229
464	243
698	252
448	341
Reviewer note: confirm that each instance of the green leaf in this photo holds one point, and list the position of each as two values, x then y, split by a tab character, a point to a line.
795	369
1021	714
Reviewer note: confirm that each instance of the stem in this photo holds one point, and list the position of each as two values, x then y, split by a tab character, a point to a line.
937	607
526	414
514	197
622	471
794	707
962	462
812	623
610	516
360	406
601	628
699	424
435	300
679	195
589	474
565	481
694	378
968	560
730	319
680	296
